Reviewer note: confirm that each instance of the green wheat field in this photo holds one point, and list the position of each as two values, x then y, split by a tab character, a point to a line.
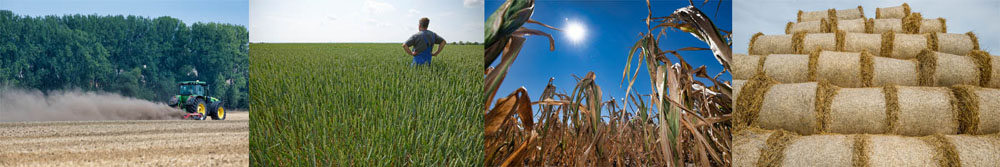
364	105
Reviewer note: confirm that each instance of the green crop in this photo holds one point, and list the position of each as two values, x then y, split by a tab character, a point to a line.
364	105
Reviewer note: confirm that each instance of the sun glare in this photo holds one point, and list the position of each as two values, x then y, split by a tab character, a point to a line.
575	31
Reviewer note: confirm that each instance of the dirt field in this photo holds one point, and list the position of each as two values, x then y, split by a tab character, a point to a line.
127	143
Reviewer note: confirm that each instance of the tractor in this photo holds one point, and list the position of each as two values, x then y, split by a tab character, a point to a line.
193	99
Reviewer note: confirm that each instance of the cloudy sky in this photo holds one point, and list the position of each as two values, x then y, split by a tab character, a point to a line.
363	20
770	16
189	11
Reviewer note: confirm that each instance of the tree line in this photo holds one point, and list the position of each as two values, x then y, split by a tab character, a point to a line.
131	55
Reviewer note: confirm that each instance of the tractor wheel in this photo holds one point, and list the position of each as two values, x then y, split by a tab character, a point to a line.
200	108
219	112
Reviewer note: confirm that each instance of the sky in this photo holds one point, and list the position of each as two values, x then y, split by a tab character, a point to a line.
610	29
770	16
189	11
380	21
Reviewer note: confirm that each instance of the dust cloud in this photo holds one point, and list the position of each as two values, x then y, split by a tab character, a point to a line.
75	105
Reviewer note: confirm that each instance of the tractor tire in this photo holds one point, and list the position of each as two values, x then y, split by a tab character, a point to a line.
199	107
218	111
173	101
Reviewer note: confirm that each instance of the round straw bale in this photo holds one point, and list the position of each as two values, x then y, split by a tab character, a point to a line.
774	153
911	23
854	25
869	26
976	150
892	12
814	15
945	153
968	104
818	26
840	68
927	62
982	60
933	26
737	86
747	106
745	66
858	111
851	13
771	44
859	42
887	150
887	25
955	70
887	42
820	41
926	111
747	145
837	150
995	75
889	71
908	46
988	107
959	44
787	68
790	107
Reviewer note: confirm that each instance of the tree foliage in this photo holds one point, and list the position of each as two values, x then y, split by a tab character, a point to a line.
135	56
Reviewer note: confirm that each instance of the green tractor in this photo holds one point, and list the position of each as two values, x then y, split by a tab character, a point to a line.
193	99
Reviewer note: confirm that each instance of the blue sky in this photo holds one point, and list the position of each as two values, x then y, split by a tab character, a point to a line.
770	16
363	20
611	28
190	11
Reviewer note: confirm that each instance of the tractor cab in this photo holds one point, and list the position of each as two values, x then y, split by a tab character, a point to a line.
193	98
193	88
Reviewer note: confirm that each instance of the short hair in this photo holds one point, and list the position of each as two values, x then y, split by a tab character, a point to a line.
424	21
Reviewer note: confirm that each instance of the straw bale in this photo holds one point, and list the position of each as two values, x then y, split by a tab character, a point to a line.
860	153
995	76
955	69
933	26
887	42
988	110
859	42
745	66
976	150
911	23
945	153
959	44
819	41
927	66
888	150
814	15
824	100
893	12
968	104
818	26
854	25
747	144
747	106
858	111
851	13
908	46
869	25
787	68
887	25
889	71
840	68
867	69
771	44
891	108
774	153
926	111
790	107
837	150
982	60
737	86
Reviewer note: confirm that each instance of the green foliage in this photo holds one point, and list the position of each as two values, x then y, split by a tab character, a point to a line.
364	105
134	56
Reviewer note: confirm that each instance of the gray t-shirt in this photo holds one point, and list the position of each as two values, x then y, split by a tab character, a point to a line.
423	40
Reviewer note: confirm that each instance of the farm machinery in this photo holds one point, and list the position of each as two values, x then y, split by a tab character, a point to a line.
193	99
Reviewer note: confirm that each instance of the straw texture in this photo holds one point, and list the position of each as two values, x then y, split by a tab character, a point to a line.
887	25
889	71
908	46
745	66
987	109
959	44
790	107
900	151
858	111
933	26
851	26
837	150
787	68
994	81
976	150
814	15
747	145
859	42
771	44
820	41
851	13
955	70
819	26
840	68
926	111
893	12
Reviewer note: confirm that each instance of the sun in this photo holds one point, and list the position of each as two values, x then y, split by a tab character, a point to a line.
575	31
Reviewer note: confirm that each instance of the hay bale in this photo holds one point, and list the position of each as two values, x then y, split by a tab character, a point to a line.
900	151
837	150
859	42
818	26
762	44
895	12
747	106
790	107
908	46
858	111
889	71
933	26
988	107
995	75
887	25
976	150
911	23
821	41
851	26
747	145
814	15
954	69
959	44
745	66
737	86
840	68
925	111
851	13
982	60
787	68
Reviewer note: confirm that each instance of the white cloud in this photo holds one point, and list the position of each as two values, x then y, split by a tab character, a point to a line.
375	7
412	13
472	3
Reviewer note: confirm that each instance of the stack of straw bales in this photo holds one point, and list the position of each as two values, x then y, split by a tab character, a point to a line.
838	89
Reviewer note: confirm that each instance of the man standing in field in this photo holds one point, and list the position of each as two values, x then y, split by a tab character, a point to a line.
422	43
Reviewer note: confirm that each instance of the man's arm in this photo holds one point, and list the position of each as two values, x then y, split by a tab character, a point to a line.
407	50
440	47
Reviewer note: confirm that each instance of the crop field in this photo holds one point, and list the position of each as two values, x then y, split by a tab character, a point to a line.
365	105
